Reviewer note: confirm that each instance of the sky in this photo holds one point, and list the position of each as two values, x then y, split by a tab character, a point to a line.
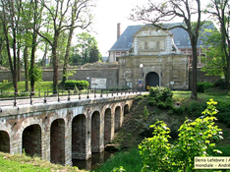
107	14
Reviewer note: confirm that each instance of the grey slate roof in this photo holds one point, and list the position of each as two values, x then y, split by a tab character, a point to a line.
181	37
125	41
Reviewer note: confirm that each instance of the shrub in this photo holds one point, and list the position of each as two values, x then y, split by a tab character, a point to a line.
154	91
195	108
80	84
224	112
163	99
152	101
219	83
146	113
166	93
177	110
202	86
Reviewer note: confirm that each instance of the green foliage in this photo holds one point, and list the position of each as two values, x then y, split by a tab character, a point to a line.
224	111
194	139
146	113
163	98
177	110
154	91
120	169
80	84
153	150
214	54
219	83
195	108
128	160
202	86
94	54
36	73
86	50
152	101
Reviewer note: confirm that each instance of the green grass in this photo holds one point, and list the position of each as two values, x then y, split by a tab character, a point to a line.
12	166
22	163
130	160
42	86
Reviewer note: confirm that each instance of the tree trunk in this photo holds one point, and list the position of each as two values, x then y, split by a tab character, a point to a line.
55	64
194	68
66	61
18	61
26	68
227	71
32	61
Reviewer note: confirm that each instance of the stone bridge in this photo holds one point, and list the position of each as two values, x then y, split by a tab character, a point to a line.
62	131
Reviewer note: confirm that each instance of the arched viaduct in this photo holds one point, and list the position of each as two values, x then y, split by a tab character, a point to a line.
60	132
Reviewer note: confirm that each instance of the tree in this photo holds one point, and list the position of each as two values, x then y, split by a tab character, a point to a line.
10	18
56	12
94	54
157	12
36	25
59	12
83	47
80	18
219	9
215	61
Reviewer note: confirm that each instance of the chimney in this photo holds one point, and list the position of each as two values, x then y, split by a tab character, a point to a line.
118	30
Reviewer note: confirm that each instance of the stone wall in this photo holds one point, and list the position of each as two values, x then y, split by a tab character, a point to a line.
168	68
201	77
85	72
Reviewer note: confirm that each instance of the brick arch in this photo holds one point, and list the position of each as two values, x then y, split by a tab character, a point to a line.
22	125
7	129
57	141
4	141
79	137
117	118
31	140
95	131
126	109
107	125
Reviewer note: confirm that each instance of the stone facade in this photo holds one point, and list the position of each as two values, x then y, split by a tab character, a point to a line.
61	131
154	60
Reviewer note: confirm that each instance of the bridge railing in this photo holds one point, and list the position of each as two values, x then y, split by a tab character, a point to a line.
25	98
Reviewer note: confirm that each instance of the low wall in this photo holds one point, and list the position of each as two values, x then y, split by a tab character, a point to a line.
111	75
201	77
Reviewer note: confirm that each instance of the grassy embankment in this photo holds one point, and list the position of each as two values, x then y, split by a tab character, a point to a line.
22	163
136	124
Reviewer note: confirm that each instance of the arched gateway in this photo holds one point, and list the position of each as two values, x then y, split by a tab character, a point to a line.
152	80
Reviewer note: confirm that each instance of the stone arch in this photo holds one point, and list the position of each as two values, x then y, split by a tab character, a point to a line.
31	140
95	132
57	141
107	126
117	118
126	109
152	79
4	142
79	137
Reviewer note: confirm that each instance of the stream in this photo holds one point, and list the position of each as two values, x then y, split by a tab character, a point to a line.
94	162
